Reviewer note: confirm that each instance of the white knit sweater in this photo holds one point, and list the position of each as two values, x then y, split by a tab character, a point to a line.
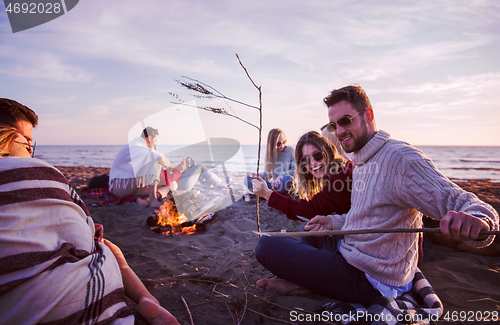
392	182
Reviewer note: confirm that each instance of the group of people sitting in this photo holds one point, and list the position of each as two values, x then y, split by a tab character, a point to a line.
388	184
50	247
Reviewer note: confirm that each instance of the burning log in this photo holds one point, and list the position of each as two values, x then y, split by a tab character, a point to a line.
168	221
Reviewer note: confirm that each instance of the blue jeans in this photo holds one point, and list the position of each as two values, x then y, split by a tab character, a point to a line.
316	264
190	177
283	187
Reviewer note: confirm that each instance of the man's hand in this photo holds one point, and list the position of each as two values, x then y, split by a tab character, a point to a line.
462	226
319	223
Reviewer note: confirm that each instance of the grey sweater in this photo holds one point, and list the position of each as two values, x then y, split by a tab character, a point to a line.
393	184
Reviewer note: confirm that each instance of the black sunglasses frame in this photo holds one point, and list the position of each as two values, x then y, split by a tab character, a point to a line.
317	156
344	121
29	147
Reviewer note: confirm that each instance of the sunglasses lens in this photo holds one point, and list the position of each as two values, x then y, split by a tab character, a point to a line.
318	156
344	121
331	127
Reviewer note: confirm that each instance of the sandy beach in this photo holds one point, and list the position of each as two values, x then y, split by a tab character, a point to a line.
215	270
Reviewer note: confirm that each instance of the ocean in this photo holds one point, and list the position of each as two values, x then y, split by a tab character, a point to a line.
455	162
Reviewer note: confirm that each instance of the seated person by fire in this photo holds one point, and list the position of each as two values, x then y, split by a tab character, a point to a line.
140	170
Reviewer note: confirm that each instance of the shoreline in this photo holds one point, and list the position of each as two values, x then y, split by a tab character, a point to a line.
215	270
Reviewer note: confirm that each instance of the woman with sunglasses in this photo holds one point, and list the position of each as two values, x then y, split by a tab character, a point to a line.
322	182
279	164
59	253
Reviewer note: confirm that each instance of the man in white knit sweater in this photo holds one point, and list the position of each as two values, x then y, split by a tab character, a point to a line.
393	184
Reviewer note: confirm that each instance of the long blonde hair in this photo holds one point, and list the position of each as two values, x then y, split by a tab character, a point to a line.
8	135
305	185
271	150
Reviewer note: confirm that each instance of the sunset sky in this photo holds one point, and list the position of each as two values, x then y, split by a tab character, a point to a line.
430	68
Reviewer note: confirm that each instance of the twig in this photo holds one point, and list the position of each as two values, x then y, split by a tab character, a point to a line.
240	288
271	318
260	137
189	312
244	309
359	232
229	310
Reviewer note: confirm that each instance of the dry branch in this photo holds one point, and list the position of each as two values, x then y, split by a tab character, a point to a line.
189	312
210	92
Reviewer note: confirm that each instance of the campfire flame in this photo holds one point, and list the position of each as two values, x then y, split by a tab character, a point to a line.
168	216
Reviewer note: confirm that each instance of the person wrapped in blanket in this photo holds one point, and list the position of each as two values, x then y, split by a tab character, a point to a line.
55	267
138	169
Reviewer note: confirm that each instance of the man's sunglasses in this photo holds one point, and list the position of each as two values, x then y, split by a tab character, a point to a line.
278	144
317	156
29	147
344	121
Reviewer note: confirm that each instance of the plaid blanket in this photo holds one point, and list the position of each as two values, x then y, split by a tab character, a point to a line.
52	270
418	306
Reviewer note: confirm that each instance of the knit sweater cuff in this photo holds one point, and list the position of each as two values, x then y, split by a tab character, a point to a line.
337	221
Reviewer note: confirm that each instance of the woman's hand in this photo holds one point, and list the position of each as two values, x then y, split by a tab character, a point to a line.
319	223
260	188
277	182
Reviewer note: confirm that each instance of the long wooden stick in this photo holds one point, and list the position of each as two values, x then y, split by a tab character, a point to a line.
359	232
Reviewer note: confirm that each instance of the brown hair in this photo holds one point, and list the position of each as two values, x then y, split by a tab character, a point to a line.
8	135
305	185
149	132
11	112
353	94
271	150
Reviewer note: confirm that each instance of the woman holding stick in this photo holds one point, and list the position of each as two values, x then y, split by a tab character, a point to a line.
322	182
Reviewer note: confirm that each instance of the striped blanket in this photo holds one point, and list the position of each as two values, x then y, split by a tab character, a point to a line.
52	270
418	306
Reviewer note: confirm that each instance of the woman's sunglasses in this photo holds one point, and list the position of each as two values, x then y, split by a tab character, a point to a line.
344	121
29	147
278	144
317	156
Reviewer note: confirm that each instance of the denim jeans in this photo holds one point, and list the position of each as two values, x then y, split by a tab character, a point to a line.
283	187
316	264
190	177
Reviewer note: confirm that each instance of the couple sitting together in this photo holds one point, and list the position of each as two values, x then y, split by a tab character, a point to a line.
140	170
391	186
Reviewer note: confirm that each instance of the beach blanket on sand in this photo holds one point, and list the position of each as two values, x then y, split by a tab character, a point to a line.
106	198
52	271
418	306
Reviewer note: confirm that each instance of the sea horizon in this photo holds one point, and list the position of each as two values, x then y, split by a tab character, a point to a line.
455	162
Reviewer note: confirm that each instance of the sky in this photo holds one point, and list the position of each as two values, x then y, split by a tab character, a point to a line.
430	68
